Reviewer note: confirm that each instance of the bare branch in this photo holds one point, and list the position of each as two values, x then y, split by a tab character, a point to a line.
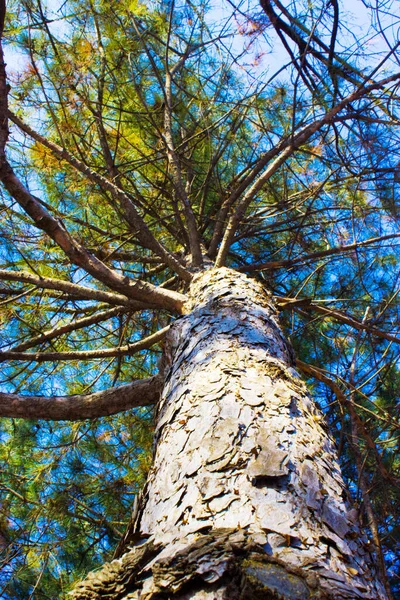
173	160
194	238
277	264
341	67
321	375
76	324
126	350
287	147
308	305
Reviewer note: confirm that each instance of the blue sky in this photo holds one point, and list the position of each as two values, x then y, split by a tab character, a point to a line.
358	17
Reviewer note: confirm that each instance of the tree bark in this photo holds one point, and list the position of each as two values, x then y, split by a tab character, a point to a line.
245	499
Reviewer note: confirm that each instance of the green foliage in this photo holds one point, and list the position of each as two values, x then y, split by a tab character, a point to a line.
67	495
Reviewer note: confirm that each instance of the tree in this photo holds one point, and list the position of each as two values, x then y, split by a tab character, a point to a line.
163	197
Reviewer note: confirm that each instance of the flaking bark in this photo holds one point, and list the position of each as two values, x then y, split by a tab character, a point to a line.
245	499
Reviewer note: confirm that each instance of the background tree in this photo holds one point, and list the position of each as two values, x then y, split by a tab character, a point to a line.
147	141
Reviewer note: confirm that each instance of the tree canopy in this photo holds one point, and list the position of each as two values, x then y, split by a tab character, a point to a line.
140	141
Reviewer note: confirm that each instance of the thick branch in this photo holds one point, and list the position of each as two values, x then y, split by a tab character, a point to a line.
80	256
91	406
79	292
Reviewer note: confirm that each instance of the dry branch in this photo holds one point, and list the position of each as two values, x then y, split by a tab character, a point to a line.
126	350
290	262
308	305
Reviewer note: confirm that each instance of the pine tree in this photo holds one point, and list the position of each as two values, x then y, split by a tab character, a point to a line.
165	195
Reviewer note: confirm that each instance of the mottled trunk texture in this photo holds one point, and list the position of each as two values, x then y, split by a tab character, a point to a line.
245	499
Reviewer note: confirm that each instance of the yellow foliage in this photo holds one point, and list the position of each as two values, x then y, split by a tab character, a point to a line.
84	52
44	157
138	8
33	558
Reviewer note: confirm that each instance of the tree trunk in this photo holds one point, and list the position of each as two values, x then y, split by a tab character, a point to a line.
245	498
